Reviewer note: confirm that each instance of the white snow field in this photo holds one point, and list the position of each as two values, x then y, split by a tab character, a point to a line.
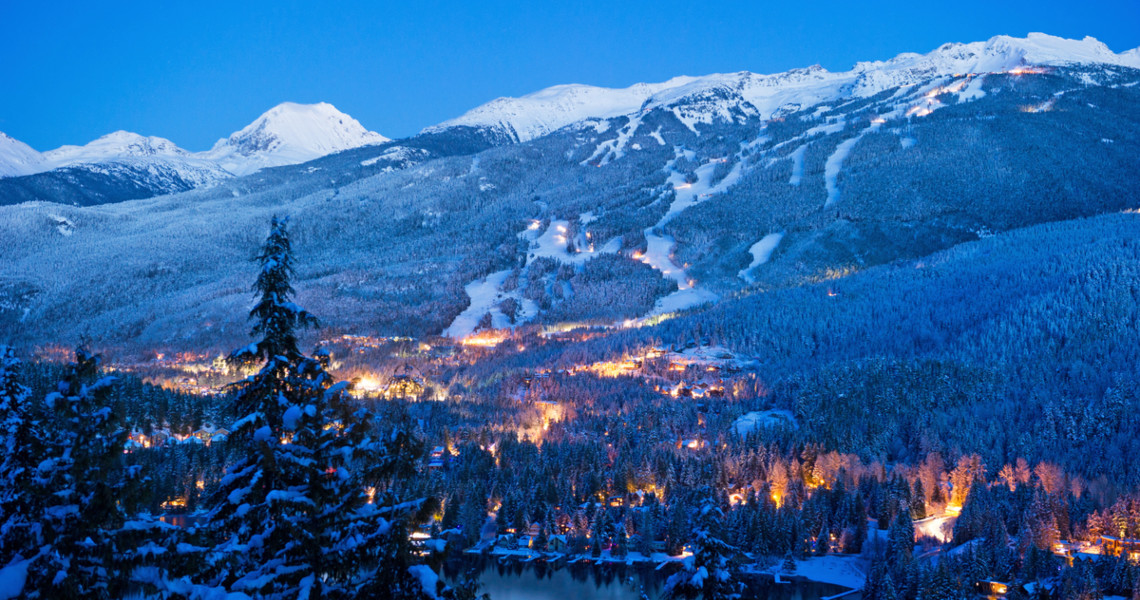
761	251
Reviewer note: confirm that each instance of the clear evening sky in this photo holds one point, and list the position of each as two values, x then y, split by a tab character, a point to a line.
196	71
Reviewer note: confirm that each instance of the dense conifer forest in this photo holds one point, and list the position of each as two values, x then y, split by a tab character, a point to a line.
900	465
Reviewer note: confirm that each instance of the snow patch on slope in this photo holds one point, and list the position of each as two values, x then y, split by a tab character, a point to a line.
761	251
754	420
485	295
833	165
797	165
613	149
659	246
554	243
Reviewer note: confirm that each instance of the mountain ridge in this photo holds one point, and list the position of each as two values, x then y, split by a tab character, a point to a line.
549	109
288	133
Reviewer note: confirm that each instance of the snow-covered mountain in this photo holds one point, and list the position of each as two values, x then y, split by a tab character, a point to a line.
289	133
544	111
722	95
658	199
113	146
124	165
17	158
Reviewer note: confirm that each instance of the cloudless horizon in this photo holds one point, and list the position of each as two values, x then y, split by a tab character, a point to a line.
195	72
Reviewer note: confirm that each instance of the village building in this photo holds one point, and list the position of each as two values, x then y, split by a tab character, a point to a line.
408	383
1121	546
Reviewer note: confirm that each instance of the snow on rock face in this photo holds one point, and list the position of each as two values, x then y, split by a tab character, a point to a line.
290	133
727	96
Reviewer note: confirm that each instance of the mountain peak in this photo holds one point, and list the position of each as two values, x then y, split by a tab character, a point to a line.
113	146
549	109
541	112
291	133
288	133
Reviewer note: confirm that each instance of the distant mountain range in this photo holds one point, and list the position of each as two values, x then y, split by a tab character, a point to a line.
128	165
124	165
575	204
765	96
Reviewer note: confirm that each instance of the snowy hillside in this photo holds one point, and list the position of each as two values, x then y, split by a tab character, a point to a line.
765	96
17	158
695	198
290	133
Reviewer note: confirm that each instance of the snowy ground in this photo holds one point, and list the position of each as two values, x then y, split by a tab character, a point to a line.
797	165
682	300
835	162
973	90
844	570
707	356
761	251
659	247
554	243
485	296
487	293
754	420
614	149
12	578
939	527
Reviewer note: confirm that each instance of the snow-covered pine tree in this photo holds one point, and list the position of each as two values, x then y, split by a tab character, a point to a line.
901	537
292	517
20	450
262	503
788	566
708	573
918	500
354	531
85	488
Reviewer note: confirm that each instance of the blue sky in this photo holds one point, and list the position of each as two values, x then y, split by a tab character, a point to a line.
195	71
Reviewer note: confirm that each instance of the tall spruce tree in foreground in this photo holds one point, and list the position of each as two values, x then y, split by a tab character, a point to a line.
84	488
262	500
292	517
20	450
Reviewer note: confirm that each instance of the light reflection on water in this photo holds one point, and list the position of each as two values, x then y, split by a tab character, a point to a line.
557	585
513	580
541	581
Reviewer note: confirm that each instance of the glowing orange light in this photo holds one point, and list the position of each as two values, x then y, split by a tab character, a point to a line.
485	339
